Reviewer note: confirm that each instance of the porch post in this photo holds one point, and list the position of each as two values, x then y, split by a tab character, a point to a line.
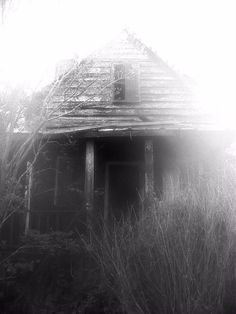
89	176
148	168
28	189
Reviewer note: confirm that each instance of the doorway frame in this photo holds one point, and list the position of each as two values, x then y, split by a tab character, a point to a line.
137	164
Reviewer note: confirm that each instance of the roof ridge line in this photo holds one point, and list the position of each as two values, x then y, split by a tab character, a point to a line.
152	53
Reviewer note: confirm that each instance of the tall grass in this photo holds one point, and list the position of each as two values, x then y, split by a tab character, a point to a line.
177	256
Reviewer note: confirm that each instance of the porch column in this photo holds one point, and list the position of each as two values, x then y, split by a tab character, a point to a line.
28	190
149	173
89	176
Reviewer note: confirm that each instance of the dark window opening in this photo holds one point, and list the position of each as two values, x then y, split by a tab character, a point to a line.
119	82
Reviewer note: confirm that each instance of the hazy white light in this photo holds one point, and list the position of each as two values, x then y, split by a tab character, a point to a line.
197	37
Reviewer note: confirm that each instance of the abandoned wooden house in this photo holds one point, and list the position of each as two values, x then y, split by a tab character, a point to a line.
123	129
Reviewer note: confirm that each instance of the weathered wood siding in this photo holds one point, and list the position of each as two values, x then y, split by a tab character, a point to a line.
57	198
84	98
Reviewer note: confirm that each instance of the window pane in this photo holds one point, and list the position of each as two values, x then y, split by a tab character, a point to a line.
119	84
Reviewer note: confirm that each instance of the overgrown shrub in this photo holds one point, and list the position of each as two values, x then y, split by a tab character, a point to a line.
52	273
176	257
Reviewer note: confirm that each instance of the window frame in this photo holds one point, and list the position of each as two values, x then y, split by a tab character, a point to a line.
117	82
126	80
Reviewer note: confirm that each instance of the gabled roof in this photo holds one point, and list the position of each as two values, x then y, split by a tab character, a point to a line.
83	101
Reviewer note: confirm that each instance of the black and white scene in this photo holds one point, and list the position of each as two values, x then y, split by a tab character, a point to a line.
118	157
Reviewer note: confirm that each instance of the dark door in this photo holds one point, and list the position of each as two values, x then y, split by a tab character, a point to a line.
123	189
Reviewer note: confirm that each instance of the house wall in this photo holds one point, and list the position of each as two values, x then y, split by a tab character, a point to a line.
157	96
59	174
59	178
58	186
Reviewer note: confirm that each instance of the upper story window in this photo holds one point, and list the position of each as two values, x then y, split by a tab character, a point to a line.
119	81
126	82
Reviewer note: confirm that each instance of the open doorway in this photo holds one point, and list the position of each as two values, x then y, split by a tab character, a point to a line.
123	189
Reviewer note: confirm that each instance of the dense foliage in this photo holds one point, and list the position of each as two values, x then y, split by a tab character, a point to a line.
52	273
176	257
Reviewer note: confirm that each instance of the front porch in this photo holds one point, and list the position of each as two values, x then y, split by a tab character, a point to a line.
90	179
78	181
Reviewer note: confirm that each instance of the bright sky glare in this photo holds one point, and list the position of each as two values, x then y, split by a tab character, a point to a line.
198	38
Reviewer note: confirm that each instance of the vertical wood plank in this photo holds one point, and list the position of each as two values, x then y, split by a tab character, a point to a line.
29	181
89	176
149	172
55	199
47	222
106	196
57	224
39	221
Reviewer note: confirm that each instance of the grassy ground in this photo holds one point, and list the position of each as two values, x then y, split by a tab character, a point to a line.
178	256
